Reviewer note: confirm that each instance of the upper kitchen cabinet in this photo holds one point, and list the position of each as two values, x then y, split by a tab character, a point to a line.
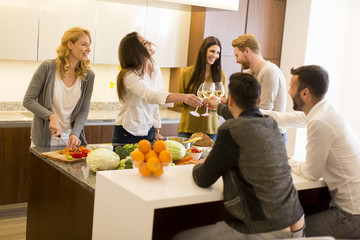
57	16
19	28
266	22
168	27
114	21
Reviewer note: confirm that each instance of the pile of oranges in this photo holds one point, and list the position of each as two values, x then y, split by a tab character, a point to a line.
151	162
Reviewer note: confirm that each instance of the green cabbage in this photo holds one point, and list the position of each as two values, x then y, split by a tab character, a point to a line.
177	150
102	159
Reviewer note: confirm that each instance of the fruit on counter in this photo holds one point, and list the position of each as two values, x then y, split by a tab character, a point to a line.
205	140
193	150
144	146
177	150
102	159
151	162
159	146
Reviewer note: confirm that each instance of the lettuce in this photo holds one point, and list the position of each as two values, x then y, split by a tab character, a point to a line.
102	159
177	150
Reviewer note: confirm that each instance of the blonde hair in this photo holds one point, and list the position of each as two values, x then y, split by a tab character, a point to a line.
63	53
247	40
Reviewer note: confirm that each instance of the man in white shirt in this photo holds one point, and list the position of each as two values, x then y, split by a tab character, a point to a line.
332	152
247	51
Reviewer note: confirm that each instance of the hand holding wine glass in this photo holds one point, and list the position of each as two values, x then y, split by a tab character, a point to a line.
200	95
208	90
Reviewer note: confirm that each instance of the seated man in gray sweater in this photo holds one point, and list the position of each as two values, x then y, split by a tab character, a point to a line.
250	156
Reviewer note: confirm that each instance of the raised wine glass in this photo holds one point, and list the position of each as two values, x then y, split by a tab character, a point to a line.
219	90
208	90
200	95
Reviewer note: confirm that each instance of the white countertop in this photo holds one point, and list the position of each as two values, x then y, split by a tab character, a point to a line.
135	195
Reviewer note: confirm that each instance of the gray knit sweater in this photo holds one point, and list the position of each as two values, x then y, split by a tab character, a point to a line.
249	154
38	99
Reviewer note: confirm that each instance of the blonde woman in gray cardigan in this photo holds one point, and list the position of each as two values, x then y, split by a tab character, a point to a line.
60	91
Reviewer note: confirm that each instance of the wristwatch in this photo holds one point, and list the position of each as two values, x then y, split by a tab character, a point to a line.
156	130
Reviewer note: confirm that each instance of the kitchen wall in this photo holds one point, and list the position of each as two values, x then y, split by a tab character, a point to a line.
15	76
326	33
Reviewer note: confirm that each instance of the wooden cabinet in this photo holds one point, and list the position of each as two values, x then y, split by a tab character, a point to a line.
14	164
98	133
266	21
263	18
19	24
57	16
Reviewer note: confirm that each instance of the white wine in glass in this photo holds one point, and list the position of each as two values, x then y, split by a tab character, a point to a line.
200	95
208	90
219	90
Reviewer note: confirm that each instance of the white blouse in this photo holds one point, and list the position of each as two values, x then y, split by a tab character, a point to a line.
140	109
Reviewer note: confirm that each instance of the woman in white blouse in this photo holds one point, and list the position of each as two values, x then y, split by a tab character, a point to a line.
140	91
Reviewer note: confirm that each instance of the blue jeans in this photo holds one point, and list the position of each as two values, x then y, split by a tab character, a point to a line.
187	135
120	135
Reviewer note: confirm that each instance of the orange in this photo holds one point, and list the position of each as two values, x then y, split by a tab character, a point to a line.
138	156
165	157
159	146
144	146
158	172
151	154
144	170
153	164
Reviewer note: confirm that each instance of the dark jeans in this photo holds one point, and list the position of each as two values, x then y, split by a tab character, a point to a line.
187	135
120	135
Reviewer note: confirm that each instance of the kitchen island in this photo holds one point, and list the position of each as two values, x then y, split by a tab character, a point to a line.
63	202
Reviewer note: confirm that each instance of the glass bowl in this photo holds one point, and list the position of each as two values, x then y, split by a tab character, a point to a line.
151	169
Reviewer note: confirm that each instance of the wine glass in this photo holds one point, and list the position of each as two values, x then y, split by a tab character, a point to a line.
200	95
208	90
219	89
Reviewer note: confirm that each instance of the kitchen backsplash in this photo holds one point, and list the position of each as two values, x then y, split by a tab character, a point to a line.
17	106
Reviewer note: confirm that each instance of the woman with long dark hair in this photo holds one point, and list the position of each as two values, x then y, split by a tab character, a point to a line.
139	88
206	69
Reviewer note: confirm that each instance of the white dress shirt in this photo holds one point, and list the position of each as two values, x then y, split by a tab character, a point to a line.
140	109
332	152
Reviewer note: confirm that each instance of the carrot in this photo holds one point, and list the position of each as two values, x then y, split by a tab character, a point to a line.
185	159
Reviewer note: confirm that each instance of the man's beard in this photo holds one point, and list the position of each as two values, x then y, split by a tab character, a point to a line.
245	65
298	102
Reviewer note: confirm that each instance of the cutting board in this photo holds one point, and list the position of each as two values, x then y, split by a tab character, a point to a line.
55	155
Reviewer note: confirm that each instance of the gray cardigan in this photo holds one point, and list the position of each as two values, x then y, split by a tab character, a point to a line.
249	154
38	99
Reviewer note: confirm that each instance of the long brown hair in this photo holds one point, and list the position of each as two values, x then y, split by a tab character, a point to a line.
63	53
198	75
132	57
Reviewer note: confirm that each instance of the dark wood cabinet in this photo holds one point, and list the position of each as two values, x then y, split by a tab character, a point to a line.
14	164
266	21
263	18
98	133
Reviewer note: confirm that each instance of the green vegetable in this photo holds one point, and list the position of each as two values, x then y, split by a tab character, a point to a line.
102	159
177	150
122	152
130	147
128	163
68	156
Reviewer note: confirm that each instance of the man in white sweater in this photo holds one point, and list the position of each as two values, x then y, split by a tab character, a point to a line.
332	152
247	51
